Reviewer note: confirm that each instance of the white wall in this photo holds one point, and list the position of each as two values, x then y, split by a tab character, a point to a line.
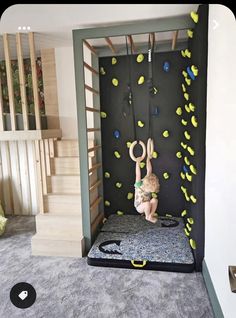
221	154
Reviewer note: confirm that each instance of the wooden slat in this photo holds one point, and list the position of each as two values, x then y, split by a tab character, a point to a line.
91	69
91	109
33	177
95	203
93	129
43	166
9	81
1	108
96	222
174	39
131	42
51	148
94	148
89	88
34	80
39	176
47	157
24	104
90	47
95	167
110	44
95	185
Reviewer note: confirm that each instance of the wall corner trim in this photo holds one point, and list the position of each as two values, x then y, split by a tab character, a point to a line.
211	292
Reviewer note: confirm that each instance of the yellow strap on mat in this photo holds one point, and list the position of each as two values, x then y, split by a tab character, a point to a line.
139	265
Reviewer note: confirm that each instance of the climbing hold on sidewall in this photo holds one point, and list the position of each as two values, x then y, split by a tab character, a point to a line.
107	203
116	134
140	58
179	154
166	175
118	185
166	66
115	81
190	33
113	61
165	133
103	115
179	111
192	244
140	124
102	71
141	80
107	175
130	196
194	121
117	154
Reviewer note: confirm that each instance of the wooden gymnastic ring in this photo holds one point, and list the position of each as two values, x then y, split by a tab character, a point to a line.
150	148
131	149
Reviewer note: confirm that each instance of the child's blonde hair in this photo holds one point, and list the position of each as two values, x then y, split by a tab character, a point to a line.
151	183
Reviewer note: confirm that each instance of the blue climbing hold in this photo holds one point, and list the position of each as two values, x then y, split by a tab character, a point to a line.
116	134
190	73
166	66
186	170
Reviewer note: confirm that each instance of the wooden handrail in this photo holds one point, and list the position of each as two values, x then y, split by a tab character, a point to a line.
91	69
1	108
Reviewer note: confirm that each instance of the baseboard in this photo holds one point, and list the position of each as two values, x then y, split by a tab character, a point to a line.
211	292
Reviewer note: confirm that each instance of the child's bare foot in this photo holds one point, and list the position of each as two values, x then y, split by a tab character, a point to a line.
152	219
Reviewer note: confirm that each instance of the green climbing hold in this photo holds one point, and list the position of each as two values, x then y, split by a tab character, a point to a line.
194	121
194	16
107	175
118	185
191	151
192	244
187	135
189	177
102	71
183	145
154	154
115	81
182	175
117	154
184	122
166	175
186	231
142	165
140	58
113	61
187	108
107	203
165	133
103	115
130	196
119	213
190	220
191	107
179	111
141	80
128	144
193	169
140	124
179	154
190	33
186	160
186	96
188	227
193	198
184	212
183	88
188	81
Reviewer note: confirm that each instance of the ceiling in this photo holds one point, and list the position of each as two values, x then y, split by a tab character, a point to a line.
53	23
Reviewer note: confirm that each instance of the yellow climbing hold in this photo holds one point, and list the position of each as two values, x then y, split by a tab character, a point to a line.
194	16
183	189
187	108
189	177
184	122
102	71
107	175
113	61
168	215
179	111
141	80
179	154
140	124
165	133
119	213
191	107
186	160
190	150
186	231
193	198
140	58
190	33
183	88
118	185
142	165
182	175
166	175
185	74
183	213
117	154
183	53
188	81
186	96
115	81
183	145
103	115
154	154
194	69
190	220
128	144
187	135
130	196
188	227
187	53
193	169
192	244
187	197
194	121
107	203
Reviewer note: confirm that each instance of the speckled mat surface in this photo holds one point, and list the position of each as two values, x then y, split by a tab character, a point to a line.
131	238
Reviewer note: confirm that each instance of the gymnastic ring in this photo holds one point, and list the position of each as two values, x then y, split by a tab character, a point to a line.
150	148
131	149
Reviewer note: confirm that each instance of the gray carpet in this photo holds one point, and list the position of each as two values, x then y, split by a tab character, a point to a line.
68	287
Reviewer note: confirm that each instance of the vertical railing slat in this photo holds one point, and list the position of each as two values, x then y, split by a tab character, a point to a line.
1	108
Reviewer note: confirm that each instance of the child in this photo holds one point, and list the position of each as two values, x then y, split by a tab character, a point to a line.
146	190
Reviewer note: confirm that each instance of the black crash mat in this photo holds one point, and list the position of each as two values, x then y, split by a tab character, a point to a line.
132	242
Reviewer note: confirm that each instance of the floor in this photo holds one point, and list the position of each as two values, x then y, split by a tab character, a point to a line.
68	287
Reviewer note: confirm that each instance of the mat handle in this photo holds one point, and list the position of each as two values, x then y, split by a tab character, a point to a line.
139	265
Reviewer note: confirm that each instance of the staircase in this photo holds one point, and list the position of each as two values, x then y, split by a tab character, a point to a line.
59	228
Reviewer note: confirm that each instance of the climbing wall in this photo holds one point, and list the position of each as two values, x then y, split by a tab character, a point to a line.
117	129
